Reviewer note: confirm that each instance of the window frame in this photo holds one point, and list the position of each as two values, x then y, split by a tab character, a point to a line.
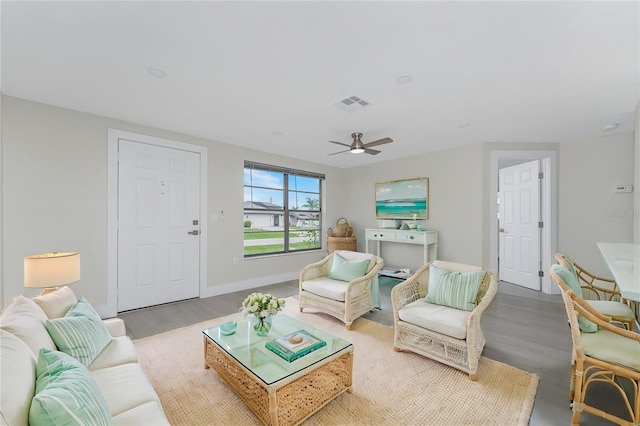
286	211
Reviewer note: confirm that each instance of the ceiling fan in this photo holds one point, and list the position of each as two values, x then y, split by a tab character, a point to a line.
357	146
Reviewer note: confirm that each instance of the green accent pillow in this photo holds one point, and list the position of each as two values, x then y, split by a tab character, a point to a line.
347	270
454	289
80	333
66	394
571	280
572	268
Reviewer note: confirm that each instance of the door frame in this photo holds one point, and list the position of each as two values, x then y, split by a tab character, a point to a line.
548	209
112	207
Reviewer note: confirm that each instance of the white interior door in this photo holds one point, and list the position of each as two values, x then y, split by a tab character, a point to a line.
158	225
519	232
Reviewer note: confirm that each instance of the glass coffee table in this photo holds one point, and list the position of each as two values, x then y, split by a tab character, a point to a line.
279	392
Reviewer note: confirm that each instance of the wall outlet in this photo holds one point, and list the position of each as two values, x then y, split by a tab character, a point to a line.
235	260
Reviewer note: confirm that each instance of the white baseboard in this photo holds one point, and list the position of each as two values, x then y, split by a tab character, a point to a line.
247	284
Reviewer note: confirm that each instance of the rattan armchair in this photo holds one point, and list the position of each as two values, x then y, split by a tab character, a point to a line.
343	300
605	297
607	355
461	351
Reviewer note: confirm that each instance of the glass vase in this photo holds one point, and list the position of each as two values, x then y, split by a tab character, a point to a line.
261	325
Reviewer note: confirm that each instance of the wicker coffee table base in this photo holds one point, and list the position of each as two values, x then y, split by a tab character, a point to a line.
291	400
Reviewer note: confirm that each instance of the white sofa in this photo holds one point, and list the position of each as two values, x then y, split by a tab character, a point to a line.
130	398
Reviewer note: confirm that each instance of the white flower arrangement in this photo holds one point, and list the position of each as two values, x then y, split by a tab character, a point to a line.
262	305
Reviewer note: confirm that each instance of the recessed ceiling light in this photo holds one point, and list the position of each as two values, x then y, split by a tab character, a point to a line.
464	125
156	72
404	79
276	133
611	126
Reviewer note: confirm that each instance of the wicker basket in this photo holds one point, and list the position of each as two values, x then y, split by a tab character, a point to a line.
342	229
341	243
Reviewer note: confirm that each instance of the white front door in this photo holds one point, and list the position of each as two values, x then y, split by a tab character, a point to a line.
158	225
519	231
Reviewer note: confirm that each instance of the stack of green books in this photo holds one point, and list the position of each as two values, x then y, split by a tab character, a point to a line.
294	345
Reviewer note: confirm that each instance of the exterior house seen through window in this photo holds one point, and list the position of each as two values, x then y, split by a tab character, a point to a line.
281	209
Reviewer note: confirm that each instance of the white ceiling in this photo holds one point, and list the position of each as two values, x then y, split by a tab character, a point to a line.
237	72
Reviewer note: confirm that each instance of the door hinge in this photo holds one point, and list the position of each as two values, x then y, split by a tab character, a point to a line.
540	273
540	175
540	224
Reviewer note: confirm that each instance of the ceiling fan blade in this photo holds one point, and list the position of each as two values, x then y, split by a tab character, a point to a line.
378	142
371	151
340	152
340	143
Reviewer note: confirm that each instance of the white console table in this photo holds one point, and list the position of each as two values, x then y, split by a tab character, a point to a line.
423	238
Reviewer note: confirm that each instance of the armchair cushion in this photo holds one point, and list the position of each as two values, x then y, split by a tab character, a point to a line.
441	319
347	270
326	287
571	279
612	347
612	308
80	333
454	289
66	393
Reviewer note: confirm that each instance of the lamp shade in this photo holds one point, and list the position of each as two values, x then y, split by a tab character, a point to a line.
51	269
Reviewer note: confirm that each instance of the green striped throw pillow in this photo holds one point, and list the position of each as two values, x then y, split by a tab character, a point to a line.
80	333
454	289
66	394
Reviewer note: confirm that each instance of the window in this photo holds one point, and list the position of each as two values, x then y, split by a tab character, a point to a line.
281	209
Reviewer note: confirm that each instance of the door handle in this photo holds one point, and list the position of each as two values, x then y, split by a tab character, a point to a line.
501	230
194	232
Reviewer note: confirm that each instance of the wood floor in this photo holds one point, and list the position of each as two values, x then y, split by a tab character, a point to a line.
523	328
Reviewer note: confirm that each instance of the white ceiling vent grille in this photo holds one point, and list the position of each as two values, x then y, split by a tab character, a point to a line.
352	103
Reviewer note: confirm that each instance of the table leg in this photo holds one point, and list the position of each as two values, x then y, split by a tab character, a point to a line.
273	408
204	340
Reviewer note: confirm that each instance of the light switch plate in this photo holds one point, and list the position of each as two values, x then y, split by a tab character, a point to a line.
623	189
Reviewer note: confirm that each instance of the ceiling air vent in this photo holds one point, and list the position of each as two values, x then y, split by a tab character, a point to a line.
352	103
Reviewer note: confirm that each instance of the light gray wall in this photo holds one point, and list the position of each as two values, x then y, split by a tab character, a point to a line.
54	197
54	186
1	209
589	209
636	181
455	203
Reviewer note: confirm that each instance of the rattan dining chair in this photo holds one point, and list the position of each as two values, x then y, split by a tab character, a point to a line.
601	293
607	355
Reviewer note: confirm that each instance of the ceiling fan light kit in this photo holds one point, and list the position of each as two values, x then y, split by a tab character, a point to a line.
358	147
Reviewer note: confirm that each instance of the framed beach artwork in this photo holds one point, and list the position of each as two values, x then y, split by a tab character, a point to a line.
403	199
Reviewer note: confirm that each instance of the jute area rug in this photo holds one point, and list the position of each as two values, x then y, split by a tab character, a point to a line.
389	388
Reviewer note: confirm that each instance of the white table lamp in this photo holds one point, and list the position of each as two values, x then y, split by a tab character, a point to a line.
49	270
